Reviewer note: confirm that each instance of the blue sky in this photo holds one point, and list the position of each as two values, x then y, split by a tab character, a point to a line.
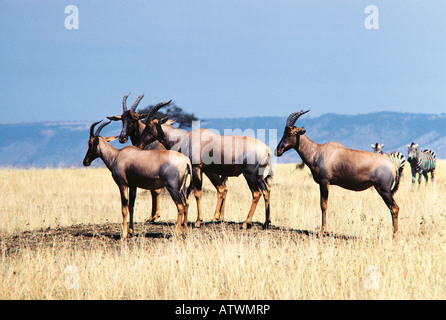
220	58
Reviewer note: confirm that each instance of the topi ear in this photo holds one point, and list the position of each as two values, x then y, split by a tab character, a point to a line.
114	118
109	139
139	116
164	120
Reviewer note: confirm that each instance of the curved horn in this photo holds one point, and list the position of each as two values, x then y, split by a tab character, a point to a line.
154	109
92	128
100	128
124	102
133	108
293	117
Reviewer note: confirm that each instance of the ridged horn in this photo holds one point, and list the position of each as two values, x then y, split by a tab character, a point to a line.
293	117
133	108
100	128
154	109
124	102
92	128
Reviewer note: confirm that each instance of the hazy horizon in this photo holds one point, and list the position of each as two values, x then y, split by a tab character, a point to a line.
309	116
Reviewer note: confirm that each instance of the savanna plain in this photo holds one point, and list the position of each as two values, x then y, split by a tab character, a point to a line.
60	239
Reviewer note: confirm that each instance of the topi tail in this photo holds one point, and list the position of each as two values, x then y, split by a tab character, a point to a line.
397	182
270	174
186	186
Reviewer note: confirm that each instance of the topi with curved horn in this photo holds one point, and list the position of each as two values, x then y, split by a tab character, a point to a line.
333	164
134	168
132	127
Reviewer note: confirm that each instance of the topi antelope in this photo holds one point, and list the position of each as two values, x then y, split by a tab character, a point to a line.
133	168
133	128
332	163
215	154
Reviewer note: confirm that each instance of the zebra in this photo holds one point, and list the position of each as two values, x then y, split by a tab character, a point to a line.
421	162
396	157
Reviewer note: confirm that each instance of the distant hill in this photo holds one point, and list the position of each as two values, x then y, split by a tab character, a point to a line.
63	144
394	129
46	144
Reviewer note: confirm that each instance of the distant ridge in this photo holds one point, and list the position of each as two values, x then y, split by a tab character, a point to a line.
64	144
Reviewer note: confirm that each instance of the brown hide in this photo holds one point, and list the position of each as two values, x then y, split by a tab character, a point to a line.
332	163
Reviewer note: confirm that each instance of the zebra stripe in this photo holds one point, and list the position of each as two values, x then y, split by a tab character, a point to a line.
398	159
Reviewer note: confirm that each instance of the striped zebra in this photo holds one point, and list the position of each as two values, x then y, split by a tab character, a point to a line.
421	162
396	157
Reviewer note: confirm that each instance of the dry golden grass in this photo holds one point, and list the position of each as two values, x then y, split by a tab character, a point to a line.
357	260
